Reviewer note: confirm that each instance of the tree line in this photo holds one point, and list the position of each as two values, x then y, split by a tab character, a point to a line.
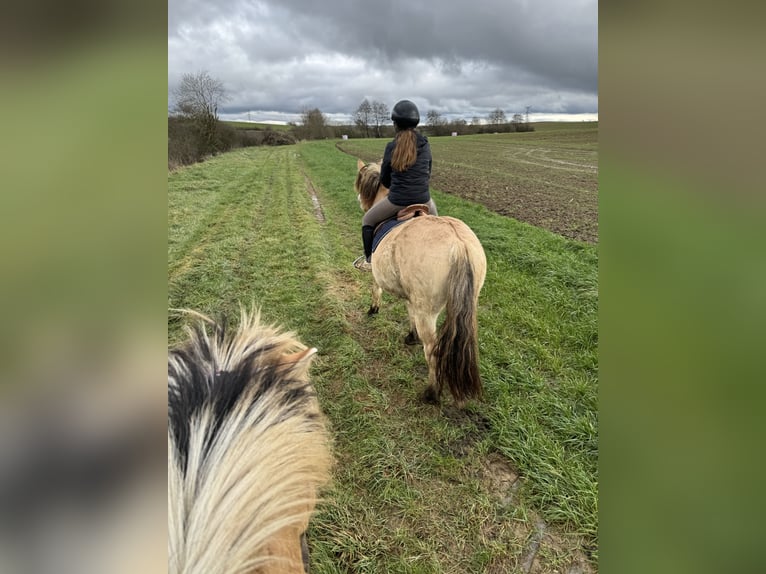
373	119
195	131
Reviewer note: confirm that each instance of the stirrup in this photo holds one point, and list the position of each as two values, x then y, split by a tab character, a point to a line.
362	264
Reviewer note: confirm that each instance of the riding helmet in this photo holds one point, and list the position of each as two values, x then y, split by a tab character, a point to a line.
405	114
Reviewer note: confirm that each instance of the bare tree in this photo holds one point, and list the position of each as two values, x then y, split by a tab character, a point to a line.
197	97
199	94
496	117
436	122
517	119
433	118
363	117
380	116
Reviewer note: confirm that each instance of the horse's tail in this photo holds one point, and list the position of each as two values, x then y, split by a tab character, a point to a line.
247	449
457	348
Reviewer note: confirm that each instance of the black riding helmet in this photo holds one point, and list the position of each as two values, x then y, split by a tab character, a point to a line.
405	114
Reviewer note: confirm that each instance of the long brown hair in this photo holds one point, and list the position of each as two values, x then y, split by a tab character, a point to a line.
405	152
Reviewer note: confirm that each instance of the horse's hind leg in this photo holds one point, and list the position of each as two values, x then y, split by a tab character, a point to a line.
425	325
412	337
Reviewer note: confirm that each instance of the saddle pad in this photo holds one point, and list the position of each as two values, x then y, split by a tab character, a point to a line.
382	230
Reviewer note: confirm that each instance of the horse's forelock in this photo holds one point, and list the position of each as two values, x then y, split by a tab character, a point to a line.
367	184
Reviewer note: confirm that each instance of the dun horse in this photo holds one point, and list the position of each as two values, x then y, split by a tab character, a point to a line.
247	450
433	263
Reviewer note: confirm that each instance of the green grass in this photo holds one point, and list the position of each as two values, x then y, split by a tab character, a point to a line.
259	126
416	487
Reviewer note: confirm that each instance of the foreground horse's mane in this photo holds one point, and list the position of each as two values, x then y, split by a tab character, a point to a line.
247	445
367	184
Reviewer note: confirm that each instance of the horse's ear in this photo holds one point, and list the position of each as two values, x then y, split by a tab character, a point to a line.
298	362
359	164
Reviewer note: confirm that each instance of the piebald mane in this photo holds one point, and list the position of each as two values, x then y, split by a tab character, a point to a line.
248	448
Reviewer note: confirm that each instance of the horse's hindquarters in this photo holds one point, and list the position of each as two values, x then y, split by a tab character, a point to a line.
436	263
414	259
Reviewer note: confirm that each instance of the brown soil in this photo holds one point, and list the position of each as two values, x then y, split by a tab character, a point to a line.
572	214
549	182
542	548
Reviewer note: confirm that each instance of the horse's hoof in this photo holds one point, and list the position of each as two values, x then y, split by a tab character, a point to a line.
430	396
373	311
411	338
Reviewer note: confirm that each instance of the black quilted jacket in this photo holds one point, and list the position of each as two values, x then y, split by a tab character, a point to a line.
409	186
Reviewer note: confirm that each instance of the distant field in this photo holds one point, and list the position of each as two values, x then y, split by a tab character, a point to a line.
548	177
258	126
508	485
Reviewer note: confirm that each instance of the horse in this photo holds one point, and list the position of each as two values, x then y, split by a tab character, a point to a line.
248	449
433	263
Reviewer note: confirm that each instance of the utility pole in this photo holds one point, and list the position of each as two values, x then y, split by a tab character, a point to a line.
528	113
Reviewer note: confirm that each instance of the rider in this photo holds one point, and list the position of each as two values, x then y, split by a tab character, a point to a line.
405	171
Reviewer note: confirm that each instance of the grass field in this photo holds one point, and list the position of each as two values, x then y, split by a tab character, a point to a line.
509	484
548	177
259	126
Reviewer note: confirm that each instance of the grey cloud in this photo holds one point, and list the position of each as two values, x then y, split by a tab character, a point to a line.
483	54
556	39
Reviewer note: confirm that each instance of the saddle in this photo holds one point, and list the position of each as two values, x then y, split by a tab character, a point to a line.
404	214
414	210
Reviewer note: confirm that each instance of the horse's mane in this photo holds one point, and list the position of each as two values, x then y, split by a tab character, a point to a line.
247	445
367	184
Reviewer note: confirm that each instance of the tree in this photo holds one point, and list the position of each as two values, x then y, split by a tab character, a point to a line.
520	122
314	124
199	94
458	125
197	97
496	117
380	116
436	122
363	117
433	118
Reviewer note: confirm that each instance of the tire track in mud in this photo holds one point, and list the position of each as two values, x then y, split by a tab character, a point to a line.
318	213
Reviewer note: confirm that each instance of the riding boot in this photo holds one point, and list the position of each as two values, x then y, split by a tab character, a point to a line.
368	231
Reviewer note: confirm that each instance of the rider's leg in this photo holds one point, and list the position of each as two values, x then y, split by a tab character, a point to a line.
380	212
367	234
432	207
377	213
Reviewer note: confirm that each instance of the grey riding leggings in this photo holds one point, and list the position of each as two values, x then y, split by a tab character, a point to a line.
385	209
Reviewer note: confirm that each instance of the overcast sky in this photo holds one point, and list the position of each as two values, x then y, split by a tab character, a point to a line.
460	58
